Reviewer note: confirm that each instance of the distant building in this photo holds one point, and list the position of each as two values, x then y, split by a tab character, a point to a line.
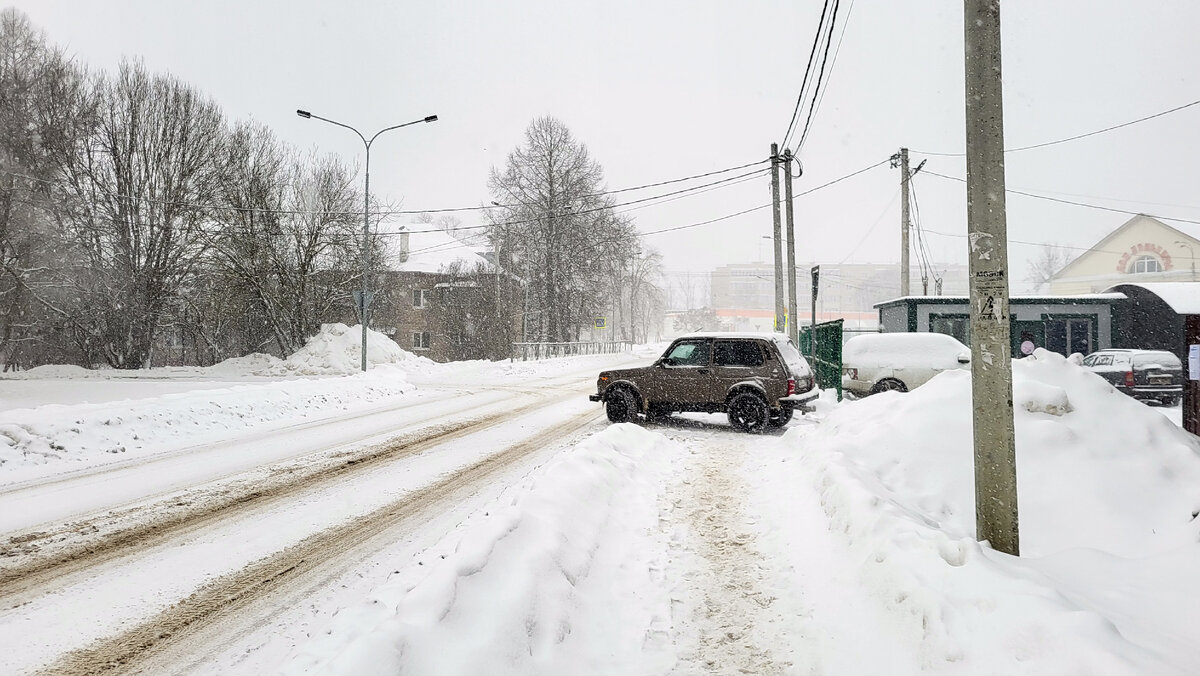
445	300
743	294
1142	250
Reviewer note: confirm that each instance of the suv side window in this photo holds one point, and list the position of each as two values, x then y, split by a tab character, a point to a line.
689	353
737	353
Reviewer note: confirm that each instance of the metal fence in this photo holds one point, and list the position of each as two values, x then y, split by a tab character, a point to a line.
528	351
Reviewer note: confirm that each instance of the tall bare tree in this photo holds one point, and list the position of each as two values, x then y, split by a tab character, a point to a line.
554	228
136	190
1041	269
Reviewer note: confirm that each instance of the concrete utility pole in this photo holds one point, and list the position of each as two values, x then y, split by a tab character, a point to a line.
779	319
987	237
792	318
905	224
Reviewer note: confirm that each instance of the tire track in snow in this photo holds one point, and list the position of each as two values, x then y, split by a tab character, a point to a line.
234	595
36	561
725	616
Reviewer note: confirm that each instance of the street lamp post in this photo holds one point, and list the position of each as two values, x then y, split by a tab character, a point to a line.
365	299
1191	255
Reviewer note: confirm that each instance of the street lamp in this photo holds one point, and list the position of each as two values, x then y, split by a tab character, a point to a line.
365	298
1191	254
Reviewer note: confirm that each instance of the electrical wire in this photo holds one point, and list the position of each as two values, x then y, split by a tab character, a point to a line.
807	71
396	212
817	90
1077	136
1072	202
837	50
874	225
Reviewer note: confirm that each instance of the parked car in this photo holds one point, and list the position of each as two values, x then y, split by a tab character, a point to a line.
1148	375
759	379
878	362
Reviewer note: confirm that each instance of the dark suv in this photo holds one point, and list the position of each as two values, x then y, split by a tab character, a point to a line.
1142	374
759	379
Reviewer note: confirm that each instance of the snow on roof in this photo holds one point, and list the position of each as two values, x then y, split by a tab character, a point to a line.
1183	297
762	335
431	251
1108	295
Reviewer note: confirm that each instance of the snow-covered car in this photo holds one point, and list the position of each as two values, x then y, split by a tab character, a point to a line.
1147	375
759	379
877	362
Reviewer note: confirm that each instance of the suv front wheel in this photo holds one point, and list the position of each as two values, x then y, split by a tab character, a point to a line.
620	405
748	412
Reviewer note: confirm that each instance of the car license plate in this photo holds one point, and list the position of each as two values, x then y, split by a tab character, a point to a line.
1160	380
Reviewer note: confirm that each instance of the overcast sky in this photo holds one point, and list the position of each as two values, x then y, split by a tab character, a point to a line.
659	90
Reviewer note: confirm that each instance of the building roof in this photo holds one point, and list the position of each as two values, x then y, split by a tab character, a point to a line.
1106	297
431	251
1183	297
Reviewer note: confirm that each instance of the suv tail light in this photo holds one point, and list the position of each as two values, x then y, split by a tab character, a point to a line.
791	386
1129	379
853	373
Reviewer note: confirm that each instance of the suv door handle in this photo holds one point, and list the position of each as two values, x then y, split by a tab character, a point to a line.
703	371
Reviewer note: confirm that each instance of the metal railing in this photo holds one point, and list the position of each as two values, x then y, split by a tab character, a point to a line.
528	351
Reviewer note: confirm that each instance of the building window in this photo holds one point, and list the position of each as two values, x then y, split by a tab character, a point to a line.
1145	264
420	340
956	326
420	298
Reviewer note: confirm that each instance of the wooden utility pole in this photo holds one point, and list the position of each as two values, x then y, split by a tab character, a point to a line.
905	223
987	238
779	319
792	318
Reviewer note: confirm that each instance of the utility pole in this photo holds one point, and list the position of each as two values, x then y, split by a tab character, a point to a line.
779	319
987	237
792	318
905	224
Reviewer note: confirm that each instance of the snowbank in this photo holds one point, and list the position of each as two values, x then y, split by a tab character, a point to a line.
505	595
337	350
1109	490
37	441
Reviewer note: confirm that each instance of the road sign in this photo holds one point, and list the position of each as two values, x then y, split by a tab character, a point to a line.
359	305
600	323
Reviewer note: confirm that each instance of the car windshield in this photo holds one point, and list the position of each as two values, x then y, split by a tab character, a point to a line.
689	353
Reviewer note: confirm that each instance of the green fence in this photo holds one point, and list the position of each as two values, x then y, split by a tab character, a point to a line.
827	364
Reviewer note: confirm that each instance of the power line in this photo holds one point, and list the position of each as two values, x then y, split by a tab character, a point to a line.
1071	202
1077	136
807	71
396	212
837	50
874	225
817	91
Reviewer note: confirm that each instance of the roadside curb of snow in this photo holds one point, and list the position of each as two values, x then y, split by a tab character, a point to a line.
497	595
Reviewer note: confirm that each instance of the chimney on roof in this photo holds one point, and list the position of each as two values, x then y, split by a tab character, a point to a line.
403	237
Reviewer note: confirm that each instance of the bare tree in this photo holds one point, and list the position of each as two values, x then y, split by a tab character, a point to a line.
1050	259
555	228
135	191
288	233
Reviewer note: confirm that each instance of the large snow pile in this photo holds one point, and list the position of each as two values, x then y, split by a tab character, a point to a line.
508	592
337	350
1109	491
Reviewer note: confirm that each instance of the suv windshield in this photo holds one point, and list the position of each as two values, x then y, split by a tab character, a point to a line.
689	353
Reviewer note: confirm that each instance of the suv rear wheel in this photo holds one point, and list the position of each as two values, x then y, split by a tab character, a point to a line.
781	417
620	405
748	412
